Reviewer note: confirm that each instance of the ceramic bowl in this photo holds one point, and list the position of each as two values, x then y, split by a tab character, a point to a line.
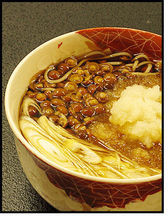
64	189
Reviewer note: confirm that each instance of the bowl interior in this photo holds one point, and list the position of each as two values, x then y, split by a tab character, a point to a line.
74	43
125	39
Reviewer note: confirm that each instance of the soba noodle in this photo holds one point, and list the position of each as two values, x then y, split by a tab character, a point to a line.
68	149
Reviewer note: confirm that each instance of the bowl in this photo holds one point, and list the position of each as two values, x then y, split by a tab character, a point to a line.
64	189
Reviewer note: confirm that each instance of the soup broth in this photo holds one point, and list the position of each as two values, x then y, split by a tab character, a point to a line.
67	109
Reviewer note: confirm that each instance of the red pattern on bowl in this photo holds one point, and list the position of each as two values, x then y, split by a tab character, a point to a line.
125	39
95	193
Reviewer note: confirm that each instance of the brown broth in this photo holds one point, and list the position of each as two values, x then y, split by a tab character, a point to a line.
80	111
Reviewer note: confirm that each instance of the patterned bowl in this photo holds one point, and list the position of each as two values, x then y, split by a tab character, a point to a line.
64	189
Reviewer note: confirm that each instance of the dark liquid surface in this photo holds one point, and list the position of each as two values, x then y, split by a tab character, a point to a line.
81	109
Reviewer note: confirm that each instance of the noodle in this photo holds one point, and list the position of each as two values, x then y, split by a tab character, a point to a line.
57	120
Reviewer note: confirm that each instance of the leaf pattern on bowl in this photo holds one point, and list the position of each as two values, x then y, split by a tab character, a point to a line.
125	39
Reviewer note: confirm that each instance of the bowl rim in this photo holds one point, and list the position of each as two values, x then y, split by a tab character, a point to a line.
35	152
